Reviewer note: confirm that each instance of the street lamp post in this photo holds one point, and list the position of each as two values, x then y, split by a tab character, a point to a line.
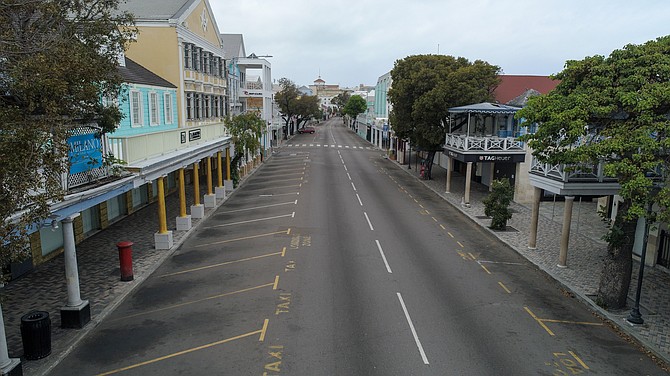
635	317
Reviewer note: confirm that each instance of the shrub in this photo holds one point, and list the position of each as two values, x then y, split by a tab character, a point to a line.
496	204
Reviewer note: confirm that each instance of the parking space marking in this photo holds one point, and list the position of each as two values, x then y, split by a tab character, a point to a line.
504	287
261	332
262	207
253	220
218	296
282	253
287	232
542	321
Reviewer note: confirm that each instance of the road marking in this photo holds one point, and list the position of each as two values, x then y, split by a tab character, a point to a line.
253	220
579	360
199	300
359	199
504	287
287	232
459	243
319	145
352	184
411	326
471	255
349	176
379	246
539	321
450	234
274	286
369	223
443	228
286	186
187	351
434	219
282	253
573	322
345	168
484	267
263	207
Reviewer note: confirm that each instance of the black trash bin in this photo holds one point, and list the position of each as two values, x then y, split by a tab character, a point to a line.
36	335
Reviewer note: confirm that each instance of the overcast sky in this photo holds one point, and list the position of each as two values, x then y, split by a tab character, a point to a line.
354	42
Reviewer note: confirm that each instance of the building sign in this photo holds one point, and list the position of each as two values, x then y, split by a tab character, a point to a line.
85	153
194	135
502	158
183	137
248	93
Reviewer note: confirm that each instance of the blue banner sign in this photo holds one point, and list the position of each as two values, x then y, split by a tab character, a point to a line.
85	153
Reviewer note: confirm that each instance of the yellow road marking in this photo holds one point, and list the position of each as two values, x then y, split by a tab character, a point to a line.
421	206
504	287
287	232
434	219
415	200
471	255
450	234
187	351
443	228
459	243
283	252
573	322
539	321
579	360
484	267
265	328
200	300
225	263
274	287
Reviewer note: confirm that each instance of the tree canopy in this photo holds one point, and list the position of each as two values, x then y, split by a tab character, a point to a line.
246	131
57	59
340	100
426	86
355	105
294	105
612	110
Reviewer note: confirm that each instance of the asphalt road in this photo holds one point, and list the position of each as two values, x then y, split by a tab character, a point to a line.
331	260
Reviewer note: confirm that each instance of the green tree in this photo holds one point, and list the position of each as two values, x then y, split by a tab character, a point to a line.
307	107
57	58
246	131
612	110
288	101
426	86
496	204
340	100
355	105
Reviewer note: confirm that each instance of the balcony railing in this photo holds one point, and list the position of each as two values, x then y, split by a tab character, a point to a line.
488	144
253	85
583	173
137	148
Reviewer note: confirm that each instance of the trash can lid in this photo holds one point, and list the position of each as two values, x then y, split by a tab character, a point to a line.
35	316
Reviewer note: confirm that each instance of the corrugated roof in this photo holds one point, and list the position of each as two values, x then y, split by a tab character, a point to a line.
512	86
485	108
156	9
134	73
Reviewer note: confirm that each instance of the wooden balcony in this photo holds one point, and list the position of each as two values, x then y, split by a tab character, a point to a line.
570	180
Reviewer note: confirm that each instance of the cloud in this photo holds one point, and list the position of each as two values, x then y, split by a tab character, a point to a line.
353	42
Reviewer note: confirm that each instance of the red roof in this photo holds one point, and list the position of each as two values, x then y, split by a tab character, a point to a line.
511	86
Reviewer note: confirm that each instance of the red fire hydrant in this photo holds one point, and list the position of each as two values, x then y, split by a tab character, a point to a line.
126	260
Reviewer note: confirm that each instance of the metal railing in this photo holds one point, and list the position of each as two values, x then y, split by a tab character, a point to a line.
493	143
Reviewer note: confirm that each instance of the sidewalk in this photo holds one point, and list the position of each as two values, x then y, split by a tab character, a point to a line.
585	254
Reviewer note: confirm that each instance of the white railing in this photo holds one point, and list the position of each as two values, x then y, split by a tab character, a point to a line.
137	148
253	85
472	143
571	173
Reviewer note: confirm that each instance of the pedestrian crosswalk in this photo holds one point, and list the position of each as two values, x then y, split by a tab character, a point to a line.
331	146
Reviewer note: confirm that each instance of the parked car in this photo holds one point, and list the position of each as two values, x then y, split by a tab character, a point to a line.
306	130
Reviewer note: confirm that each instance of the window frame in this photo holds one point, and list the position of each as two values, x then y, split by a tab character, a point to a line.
167	108
154	115
136	121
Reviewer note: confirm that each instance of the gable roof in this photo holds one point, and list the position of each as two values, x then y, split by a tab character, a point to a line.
134	73
157	9
512	86
233	45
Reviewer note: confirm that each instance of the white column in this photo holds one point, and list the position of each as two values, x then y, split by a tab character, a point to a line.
468	182
70	255
7	364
